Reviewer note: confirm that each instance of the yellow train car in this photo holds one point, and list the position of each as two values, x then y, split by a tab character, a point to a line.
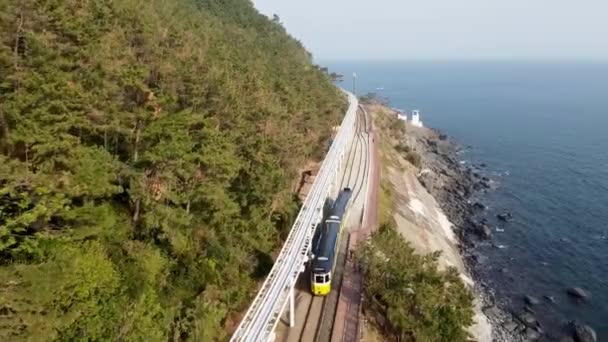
326	249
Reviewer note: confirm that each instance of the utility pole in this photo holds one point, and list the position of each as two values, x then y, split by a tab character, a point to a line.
354	83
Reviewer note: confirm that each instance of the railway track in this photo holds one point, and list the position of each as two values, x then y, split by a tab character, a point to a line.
365	148
318	312
345	181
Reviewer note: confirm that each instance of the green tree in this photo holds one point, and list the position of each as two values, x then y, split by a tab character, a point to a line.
147	156
421	302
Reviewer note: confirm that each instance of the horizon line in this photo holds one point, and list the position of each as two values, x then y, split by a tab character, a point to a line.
537	60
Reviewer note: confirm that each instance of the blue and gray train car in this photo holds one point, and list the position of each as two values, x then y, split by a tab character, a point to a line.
325	249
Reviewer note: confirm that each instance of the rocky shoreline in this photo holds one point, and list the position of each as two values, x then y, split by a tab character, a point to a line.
453	186
457	188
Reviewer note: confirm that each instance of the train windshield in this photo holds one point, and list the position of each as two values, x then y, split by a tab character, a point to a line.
321	278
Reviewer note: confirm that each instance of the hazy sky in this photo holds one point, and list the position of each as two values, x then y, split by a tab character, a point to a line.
446	29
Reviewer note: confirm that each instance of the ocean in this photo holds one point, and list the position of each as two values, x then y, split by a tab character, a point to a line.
542	129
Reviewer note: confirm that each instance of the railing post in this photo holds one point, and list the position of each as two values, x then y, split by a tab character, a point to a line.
292	314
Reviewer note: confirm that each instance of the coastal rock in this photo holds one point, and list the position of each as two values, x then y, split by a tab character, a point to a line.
485	231
505	217
481	229
528	319
582	332
549	298
485	184
531	334
479	206
510	326
531	300
427	178
529	309
578	293
491	311
566	339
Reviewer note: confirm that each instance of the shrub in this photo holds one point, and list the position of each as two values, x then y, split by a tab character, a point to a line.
418	301
403	147
414	158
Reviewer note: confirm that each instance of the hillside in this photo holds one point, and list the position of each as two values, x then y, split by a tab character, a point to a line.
148	151
417	287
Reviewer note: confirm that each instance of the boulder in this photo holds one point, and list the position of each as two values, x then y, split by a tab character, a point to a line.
510	326
531	334
506	217
584	333
578	293
485	231
491	311
480	229
479	206
427	179
528	319
531	300
549	298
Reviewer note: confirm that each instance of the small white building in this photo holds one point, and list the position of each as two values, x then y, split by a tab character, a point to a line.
402	115
416	118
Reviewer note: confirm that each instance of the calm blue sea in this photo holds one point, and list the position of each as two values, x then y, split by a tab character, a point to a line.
542	128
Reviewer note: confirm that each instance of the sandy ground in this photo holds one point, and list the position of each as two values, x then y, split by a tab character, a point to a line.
422	222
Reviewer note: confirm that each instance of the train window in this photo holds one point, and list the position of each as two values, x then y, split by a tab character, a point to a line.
319	279
327	278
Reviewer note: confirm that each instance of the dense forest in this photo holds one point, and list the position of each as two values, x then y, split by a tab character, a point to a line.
148	151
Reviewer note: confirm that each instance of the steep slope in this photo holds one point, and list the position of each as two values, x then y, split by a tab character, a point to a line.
147	152
418	216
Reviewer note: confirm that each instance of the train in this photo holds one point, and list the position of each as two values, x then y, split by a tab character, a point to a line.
325	247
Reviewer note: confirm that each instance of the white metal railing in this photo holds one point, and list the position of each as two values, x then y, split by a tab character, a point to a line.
268	305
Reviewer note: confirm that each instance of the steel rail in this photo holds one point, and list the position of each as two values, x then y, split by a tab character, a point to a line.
267	307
